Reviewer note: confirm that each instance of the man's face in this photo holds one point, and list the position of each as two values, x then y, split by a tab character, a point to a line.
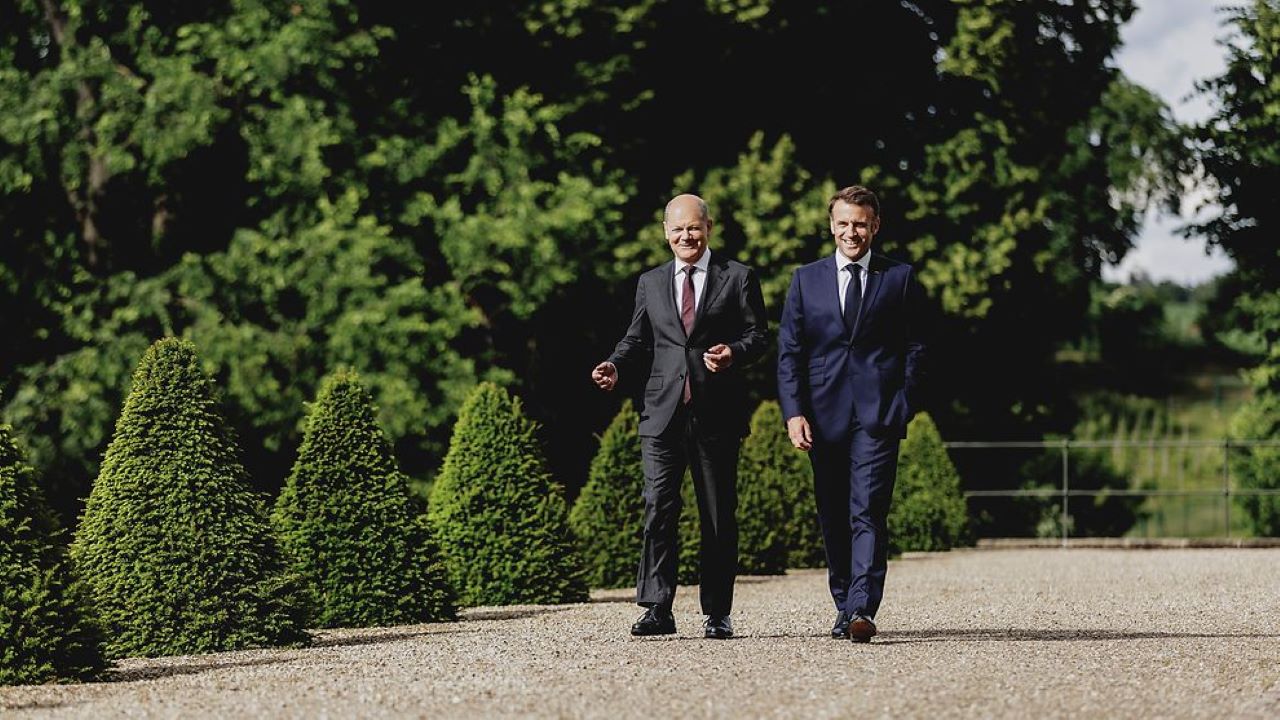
853	226
687	231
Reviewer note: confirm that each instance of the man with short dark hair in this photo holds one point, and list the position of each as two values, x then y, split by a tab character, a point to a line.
698	320
850	364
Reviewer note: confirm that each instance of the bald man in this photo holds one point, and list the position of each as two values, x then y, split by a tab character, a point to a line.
698	320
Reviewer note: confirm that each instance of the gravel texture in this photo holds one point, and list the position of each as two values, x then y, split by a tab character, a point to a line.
979	633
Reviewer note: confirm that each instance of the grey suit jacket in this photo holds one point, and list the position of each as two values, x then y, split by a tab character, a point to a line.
731	312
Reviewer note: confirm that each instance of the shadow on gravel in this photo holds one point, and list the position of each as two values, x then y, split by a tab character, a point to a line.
143	674
1013	635
32	705
514	614
358	640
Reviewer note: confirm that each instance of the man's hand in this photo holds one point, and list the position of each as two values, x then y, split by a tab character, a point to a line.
718	357
798	431
605	376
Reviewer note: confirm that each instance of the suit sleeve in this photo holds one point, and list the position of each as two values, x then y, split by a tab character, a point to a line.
754	340
914	385
636	346
791	359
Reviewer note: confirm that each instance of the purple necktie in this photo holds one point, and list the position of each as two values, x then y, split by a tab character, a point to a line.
686	318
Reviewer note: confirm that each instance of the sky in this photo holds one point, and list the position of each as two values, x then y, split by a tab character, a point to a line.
1168	45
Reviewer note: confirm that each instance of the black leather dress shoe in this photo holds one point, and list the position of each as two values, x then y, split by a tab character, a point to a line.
655	621
861	629
840	631
719	627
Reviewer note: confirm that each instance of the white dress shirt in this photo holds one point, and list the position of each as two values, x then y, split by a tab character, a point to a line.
844	277
699	280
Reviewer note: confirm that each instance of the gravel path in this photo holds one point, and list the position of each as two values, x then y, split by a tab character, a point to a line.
1008	633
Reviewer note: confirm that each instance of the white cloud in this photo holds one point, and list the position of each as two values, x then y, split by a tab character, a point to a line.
1168	46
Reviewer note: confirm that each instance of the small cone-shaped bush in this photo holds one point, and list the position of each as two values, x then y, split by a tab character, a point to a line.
777	520
174	546
349	525
608	518
928	511
502	521
689	529
46	631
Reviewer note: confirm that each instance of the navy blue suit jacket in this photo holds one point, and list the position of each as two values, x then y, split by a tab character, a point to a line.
876	374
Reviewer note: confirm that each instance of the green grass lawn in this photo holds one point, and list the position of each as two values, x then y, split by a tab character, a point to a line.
1202	410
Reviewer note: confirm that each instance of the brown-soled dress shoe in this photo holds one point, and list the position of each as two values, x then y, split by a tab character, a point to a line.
861	629
655	621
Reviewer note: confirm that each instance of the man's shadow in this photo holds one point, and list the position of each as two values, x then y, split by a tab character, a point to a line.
1027	635
898	637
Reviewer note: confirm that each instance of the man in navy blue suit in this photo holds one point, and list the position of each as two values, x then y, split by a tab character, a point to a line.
850	364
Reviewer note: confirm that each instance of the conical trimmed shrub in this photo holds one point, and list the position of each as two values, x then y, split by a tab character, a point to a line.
928	511
47	633
608	518
501	519
689	535
348	524
777	519
175	547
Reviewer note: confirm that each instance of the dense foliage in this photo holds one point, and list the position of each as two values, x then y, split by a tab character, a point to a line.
47	629
174	545
347	522
1240	149
502	520
341	182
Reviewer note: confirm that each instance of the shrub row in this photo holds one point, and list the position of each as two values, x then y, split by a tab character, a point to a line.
176	554
777	518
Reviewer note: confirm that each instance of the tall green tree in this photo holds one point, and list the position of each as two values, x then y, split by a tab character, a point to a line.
47	627
138	143
348	524
503	521
175	547
1239	147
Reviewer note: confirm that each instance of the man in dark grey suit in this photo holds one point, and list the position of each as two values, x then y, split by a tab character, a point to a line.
698	320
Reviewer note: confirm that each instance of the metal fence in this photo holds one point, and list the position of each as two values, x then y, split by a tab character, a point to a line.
1065	492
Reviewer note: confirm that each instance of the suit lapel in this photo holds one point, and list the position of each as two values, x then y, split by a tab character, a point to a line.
668	311
875	273
829	289
715	284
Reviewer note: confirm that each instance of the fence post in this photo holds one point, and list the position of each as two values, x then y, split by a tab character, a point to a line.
1226	486
1065	485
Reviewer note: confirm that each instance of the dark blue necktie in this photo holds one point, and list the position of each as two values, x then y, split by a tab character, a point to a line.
852	298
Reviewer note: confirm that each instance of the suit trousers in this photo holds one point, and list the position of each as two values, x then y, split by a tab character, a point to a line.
853	485
713	462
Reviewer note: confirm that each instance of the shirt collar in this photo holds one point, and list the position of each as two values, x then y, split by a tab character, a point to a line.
864	261
703	263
